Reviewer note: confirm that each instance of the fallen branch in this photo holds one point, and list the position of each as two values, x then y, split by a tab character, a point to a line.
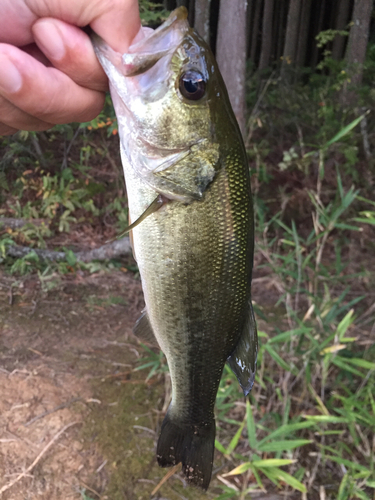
166	477
43	452
57	408
18	223
112	250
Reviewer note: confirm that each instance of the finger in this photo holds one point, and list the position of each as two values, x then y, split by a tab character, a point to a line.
5	130
33	50
15	22
70	50
15	118
116	21
43	92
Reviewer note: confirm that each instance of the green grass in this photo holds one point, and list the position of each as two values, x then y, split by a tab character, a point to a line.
85	496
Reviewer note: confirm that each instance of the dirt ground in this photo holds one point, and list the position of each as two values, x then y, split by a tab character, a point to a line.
76	422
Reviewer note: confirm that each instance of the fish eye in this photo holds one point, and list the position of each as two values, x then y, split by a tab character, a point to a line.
192	85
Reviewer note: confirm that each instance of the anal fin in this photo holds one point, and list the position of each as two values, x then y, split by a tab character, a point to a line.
244	357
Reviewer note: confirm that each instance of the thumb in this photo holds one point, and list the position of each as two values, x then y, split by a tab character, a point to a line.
70	50
118	22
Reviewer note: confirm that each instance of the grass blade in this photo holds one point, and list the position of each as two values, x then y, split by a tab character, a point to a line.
284	445
235	439
250	426
272	462
240	469
344	131
286	430
327	419
292	481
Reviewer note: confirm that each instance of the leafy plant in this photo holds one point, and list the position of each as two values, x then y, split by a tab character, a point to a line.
273	442
366	216
152	13
84	495
155	360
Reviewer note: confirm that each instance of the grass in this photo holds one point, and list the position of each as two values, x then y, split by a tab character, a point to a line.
313	410
84	495
310	426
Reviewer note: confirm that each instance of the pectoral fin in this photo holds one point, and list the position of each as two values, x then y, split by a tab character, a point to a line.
182	176
192	174
151	209
143	330
243	359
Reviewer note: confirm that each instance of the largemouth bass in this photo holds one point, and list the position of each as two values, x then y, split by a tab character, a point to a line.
188	187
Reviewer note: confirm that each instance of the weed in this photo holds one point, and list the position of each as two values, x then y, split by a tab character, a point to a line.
94	300
155	361
84	495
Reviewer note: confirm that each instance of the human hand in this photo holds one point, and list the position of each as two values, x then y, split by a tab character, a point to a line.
49	72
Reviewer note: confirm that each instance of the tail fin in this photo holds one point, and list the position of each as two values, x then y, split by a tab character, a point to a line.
190	444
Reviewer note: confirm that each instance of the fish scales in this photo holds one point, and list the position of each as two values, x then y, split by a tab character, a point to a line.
195	252
185	293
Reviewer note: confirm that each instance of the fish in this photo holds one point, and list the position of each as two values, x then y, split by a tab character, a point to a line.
192	226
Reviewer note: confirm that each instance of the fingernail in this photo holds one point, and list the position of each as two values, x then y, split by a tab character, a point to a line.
10	77
49	40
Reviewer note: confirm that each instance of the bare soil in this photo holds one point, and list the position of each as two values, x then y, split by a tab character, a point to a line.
58	350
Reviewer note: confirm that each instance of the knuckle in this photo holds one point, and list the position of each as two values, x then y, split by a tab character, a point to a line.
12	119
85	111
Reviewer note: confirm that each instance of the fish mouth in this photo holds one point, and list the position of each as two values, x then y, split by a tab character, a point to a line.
142	55
146	52
153	52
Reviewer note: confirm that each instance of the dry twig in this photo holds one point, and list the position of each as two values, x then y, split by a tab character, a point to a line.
38	458
91	489
18	223
166	477
48	412
107	251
